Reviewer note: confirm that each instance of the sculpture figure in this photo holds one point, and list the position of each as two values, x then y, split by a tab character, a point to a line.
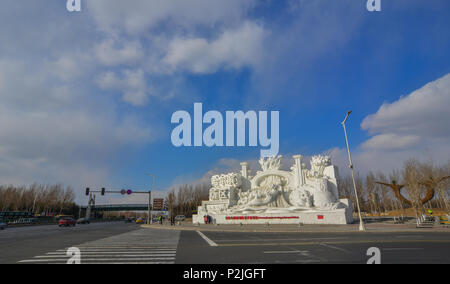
430	184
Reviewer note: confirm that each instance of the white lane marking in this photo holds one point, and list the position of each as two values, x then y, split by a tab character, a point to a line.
121	250
122	247
100	259
112	256
208	240
336	248
115	252
149	262
291	239
131	262
287	251
410	236
402	248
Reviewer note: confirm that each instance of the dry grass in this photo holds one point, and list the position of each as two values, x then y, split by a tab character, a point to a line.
409	212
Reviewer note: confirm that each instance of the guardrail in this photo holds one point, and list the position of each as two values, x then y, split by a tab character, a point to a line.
425	221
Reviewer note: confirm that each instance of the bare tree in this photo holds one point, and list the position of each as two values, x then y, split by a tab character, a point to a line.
49	198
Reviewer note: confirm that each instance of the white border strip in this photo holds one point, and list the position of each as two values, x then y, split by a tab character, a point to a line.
208	240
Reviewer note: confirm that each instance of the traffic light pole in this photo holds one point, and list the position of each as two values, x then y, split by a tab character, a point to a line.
123	191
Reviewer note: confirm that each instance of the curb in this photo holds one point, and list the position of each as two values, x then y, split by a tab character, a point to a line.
299	230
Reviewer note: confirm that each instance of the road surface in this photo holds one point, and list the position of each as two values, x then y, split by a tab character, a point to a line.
119	242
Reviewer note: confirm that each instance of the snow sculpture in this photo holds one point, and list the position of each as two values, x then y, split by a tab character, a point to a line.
278	196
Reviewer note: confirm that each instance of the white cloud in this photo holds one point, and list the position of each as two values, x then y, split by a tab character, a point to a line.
132	84
70	66
136	16
26	86
54	126
110	53
422	113
391	141
233	49
160	38
52	132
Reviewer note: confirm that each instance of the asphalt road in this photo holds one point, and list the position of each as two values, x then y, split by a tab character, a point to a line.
277	248
18	243
129	243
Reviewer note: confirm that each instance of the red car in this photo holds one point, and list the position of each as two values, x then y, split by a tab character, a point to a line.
67	222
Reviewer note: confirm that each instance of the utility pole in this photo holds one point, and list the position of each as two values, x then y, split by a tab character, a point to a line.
149	215
361	222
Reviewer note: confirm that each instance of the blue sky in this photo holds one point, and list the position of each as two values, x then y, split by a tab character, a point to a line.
86	97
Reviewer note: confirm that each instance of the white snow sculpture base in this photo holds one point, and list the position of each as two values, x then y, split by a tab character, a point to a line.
338	216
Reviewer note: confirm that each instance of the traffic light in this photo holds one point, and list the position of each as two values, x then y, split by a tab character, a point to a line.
103	191
87	191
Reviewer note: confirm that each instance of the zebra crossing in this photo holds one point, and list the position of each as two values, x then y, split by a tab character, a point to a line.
137	247
109	255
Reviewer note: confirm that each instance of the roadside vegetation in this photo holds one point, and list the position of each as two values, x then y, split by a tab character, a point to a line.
420	186
41	199
409	191
183	200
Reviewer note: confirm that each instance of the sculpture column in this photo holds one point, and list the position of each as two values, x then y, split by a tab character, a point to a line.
244	171
298	170
304	170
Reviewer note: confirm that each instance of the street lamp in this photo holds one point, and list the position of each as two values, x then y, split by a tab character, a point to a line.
361	223
34	202
149	217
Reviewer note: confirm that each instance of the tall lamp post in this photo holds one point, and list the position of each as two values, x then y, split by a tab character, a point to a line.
149	215
34	202
361	223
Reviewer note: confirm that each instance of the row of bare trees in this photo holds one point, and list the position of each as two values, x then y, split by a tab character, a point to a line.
419	185
184	199
50	199
422	185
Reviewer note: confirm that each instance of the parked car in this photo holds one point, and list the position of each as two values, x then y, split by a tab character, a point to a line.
129	220
67	222
180	218
83	221
3	225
